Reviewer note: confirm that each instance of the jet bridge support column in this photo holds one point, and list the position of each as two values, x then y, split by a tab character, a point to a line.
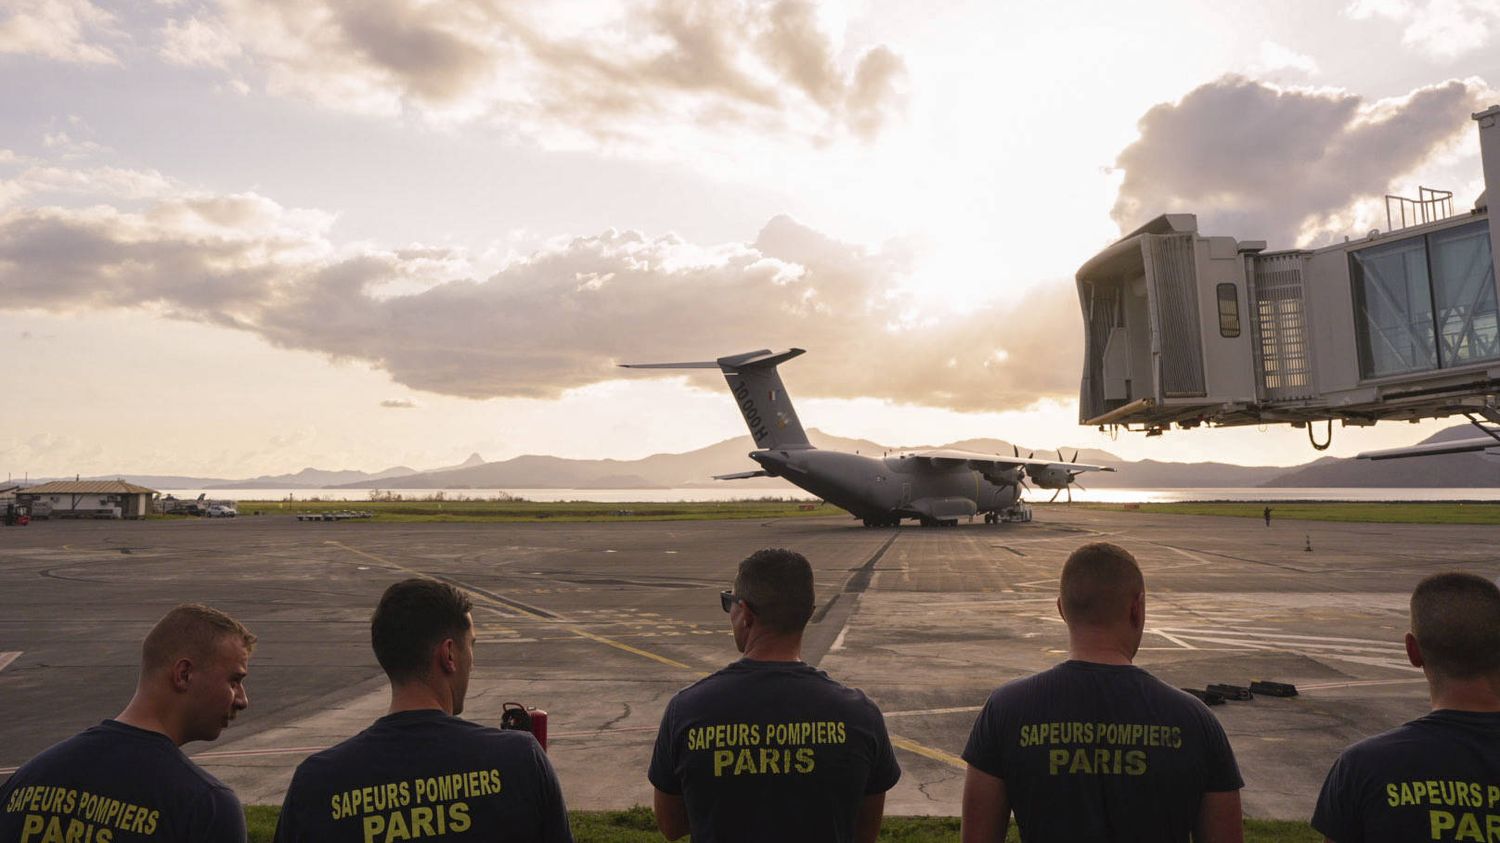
1489	156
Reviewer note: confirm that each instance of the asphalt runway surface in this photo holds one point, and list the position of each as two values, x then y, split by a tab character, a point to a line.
601	623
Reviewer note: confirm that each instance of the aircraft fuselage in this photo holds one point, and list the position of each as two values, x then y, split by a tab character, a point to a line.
885	489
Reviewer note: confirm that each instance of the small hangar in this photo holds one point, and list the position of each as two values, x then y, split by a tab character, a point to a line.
1188	329
87	499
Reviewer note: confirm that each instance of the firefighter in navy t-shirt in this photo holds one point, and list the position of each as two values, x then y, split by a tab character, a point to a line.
1437	777
770	748
421	772
1095	748
126	779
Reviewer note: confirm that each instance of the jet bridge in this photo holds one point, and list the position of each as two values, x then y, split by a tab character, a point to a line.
1191	329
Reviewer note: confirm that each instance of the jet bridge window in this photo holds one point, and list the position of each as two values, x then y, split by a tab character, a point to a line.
1463	292
1229	311
1425	302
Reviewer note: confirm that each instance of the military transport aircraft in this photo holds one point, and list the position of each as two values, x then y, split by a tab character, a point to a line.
935	487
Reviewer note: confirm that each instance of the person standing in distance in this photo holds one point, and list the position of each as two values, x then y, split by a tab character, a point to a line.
1437	777
1097	748
421	772
770	748
127	779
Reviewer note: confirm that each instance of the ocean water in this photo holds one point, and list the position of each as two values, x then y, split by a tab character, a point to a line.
727	493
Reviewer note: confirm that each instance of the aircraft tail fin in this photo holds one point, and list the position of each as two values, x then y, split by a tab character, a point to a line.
756	385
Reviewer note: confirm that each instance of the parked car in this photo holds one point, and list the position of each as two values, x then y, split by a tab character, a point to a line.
219	510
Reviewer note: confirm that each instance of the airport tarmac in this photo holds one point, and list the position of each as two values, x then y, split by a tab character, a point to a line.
601	623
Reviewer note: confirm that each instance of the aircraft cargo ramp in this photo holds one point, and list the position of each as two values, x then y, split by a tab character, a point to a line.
1190	329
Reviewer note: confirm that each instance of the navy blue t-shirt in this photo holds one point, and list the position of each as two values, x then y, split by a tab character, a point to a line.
419	775
772	751
1435	778
115	783
1101	752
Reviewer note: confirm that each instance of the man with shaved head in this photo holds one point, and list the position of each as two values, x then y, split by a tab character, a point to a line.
770	748
1096	748
126	779
1437	777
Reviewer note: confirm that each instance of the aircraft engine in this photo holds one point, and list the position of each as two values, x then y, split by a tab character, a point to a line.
1057	477
1050	478
1004	477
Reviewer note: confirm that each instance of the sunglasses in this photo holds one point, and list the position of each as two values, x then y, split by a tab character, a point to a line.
728	598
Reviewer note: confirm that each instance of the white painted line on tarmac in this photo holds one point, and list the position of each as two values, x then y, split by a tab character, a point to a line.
1326	686
1174	639
7	658
838	643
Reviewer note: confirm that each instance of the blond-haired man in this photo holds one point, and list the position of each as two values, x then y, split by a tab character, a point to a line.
127	779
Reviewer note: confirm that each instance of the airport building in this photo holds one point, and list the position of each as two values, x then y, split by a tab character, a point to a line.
87	499
1188	328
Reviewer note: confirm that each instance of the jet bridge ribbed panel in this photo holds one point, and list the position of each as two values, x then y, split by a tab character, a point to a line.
1101	314
1169	259
1283	347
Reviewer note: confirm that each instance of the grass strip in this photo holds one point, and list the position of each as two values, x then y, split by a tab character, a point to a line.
1367	512
515	511
637	825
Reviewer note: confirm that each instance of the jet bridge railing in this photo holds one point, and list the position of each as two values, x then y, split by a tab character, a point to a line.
1430	205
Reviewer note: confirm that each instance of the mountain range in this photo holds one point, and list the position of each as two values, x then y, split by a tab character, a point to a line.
696	469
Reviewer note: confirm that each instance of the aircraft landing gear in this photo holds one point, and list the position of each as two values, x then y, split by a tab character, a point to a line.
882	522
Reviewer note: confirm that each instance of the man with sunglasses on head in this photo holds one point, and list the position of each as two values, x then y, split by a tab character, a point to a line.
771	748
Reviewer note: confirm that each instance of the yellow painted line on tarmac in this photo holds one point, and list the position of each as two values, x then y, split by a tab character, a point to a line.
927	752
959	709
620	645
488	601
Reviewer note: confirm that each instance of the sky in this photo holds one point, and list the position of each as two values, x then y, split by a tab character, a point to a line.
243	237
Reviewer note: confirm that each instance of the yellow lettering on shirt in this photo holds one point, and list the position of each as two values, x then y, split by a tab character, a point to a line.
1077	748
765	749
71	815
420	808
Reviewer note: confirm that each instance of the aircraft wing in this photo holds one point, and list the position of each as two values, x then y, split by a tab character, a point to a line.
742	475
1457	446
1001	461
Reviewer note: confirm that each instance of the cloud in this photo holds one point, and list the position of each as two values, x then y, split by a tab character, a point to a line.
1439	29
1283	164
557	319
398	404
65	146
197	43
95	183
62	30
1276	57
610	73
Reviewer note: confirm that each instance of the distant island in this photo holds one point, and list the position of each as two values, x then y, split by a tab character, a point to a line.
695	469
